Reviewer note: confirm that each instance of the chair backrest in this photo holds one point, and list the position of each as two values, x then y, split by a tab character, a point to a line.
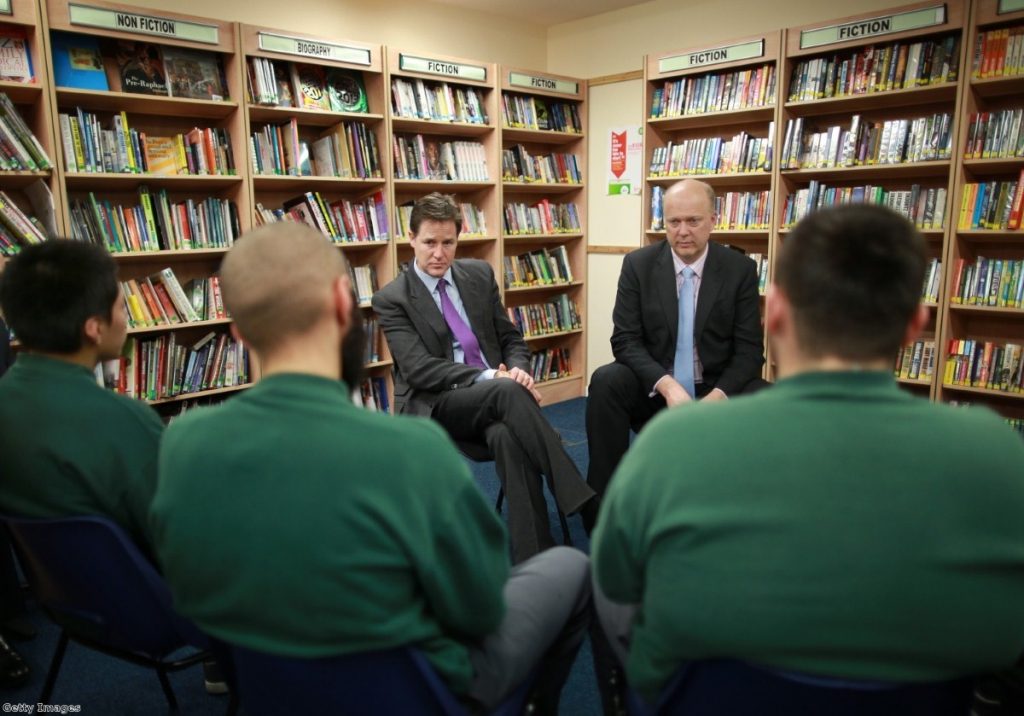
728	686
395	681
95	583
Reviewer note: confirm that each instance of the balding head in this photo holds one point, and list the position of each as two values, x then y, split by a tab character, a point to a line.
688	187
278	282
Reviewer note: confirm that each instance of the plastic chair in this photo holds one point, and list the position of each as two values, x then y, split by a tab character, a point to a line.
395	681
93	581
727	686
479	452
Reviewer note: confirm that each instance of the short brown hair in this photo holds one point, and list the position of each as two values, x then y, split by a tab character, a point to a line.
435	207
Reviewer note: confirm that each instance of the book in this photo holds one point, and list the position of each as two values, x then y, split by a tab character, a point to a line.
194	74
134	67
345	90
15	60
77	61
162	155
309	83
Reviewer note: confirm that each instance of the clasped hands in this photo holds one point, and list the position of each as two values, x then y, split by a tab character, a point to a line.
520	376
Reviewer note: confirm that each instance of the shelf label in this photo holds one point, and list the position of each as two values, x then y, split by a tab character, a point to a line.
442	67
5	7
1005	6
143	24
313	48
550	84
712	56
874	26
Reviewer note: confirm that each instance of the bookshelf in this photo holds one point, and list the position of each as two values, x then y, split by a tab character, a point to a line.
982	322
34	192
543	169
868	111
127	189
315	121
711	115
443	119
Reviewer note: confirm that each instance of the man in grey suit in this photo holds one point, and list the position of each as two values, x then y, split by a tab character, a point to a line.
723	341
460	360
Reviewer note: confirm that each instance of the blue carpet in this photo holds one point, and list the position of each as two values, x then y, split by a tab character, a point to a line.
103	685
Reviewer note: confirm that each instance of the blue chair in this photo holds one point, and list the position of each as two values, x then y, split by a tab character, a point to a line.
394	681
93	581
717	687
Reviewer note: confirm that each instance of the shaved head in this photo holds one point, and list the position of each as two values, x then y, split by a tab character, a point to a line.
277	282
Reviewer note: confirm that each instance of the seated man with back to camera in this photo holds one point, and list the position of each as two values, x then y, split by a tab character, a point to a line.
834	525
687	326
460	360
290	521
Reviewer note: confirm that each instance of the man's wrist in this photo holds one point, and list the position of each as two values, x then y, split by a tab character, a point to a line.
486	374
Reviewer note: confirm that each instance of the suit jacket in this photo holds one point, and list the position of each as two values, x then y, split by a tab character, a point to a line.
421	343
727	323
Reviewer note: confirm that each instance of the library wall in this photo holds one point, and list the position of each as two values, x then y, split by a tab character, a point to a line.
409	24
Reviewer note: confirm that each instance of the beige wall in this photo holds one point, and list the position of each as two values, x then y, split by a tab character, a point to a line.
404	24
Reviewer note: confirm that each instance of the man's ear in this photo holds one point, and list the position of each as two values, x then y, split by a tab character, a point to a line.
92	330
918	321
344	298
776	309
237	334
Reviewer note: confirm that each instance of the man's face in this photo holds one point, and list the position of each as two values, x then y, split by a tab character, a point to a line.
112	334
689	219
353	346
434	246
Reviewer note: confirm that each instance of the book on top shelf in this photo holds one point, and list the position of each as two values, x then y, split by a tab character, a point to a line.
193	74
310	86
134	67
15	60
77	61
345	90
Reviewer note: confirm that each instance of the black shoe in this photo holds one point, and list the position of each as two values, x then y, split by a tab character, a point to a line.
13	669
213	678
588	513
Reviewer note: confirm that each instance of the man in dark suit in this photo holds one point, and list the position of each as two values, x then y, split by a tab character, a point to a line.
460	360
723	332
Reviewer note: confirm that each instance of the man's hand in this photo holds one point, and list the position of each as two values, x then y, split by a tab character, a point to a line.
520	376
673	393
715	394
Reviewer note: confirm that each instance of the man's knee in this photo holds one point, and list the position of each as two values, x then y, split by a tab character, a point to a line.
568	567
611	381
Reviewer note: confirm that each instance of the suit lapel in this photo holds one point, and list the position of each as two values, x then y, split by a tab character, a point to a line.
665	285
423	303
710	284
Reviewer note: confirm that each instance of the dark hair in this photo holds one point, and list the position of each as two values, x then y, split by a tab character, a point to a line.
435	207
49	290
853	276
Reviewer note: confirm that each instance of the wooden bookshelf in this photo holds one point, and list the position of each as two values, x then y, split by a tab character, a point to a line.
544	125
826	94
34	192
698	103
222	187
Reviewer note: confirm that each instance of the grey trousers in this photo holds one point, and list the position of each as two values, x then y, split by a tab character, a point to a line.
616	620
547	611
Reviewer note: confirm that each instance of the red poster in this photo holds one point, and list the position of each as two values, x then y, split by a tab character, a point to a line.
618	153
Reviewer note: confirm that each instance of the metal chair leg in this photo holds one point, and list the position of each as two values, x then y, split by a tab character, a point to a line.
55	662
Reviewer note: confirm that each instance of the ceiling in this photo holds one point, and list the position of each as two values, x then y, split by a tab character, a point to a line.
544	12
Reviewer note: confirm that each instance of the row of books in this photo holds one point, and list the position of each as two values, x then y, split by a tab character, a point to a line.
436	101
162	367
364	281
531	112
161	300
876	68
743	210
89	62
17	228
155	223
371	328
474	223
999	53
984	364
518	165
550	364
349	150
925	208
741	154
558	315
932	282
996	134
372	394
88	147
543	267
419	158
715	92
341	221
916	361
541	218
994	205
276	83
894	141
988	282
20	150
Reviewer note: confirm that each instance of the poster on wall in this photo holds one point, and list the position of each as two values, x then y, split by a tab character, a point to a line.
625	156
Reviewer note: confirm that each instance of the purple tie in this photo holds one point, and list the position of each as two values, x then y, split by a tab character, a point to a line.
463	333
